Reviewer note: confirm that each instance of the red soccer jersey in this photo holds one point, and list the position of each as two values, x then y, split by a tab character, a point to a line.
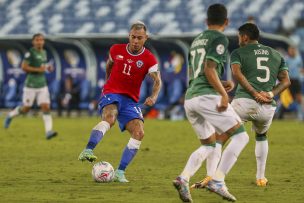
128	71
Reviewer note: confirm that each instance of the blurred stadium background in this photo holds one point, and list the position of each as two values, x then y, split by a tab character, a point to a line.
80	33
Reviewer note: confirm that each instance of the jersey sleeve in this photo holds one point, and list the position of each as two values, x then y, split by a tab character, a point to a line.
283	65
46	57
27	57
152	65
235	58
112	53
218	50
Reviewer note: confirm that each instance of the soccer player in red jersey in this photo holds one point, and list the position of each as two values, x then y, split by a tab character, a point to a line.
126	68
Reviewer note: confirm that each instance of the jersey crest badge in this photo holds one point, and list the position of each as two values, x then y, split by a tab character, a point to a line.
27	54
119	57
139	63
220	49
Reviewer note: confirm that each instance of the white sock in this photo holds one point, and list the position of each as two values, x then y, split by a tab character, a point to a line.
213	159
15	112
230	155
48	122
261	152
102	126
133	143
195	161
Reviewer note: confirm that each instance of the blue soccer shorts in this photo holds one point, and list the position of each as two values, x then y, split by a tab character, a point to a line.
128	109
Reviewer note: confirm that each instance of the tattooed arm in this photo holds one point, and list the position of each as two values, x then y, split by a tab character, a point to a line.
238	75
150	101
284	82
228	85
109	66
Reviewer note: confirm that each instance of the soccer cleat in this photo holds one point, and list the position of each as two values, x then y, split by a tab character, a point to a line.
220	188
50	134
182	187
120	176
7	122
201	184
87	155
262	182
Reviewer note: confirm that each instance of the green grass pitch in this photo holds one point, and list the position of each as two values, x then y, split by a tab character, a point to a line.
36	170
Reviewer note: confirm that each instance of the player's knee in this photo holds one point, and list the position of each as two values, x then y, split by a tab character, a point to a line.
241	133
25	109
209	140
45	108
138	134
222	138
235	130
260	136
111	121
110	118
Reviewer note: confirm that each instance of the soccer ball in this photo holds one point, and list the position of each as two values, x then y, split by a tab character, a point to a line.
103	172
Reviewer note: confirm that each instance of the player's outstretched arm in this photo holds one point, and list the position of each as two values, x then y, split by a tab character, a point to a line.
213	79
29	69
241	79
284	82
150	101
109	66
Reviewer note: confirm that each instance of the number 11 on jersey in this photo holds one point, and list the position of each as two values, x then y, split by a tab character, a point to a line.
127	69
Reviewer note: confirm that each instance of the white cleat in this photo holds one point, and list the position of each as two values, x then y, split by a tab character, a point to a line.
220	188
182	187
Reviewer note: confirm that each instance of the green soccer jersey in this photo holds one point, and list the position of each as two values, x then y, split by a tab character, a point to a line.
260	65
210	44
35	59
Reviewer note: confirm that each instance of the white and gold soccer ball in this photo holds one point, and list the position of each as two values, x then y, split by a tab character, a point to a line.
103	172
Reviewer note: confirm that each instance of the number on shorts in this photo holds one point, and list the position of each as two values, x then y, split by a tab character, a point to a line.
138	111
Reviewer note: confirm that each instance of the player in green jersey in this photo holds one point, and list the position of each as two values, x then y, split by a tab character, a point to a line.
207	106
257	67
35	65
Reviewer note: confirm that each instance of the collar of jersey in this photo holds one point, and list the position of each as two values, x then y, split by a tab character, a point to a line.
134	54
36	50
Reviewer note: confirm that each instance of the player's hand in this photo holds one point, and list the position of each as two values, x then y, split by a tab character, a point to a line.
268	96
228	85
150	101
42	69
262	97
223	105
49	68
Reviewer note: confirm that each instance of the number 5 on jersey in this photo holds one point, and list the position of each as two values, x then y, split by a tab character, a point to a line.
260	67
